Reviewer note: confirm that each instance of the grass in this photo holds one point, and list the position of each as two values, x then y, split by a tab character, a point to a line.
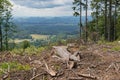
116	48
28	51
19	40
82	48
12	66
34	36
39	37
115	45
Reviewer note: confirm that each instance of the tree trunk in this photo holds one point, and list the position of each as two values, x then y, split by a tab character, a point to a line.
115	19
80	20
106	26
1	47
86	33
110	21
6	40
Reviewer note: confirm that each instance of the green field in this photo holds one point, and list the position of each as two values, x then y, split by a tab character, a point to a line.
39	37
34	37
19	40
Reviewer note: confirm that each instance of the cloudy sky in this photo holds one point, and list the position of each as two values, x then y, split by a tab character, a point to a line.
42	8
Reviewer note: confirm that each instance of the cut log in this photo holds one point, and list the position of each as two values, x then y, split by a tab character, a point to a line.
63	53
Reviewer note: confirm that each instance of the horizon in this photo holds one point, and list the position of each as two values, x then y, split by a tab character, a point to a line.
47	16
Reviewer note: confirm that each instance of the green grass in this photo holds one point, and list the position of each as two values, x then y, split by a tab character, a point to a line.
13	66
105	49
28	51
19	40
34	36
116	48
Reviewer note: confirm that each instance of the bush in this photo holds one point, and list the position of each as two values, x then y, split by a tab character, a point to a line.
25	44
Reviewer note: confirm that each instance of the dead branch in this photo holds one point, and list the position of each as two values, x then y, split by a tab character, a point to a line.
75	78
114	65
70	64
5	77
49	70
87	76
36	76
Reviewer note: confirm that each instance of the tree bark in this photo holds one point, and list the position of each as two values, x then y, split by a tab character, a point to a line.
1	47
106	27
86	33
115	19
80	19
110	21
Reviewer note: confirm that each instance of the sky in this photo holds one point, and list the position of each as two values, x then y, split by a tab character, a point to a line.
43	8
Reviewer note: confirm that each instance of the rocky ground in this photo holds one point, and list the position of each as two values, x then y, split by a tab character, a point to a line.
97	62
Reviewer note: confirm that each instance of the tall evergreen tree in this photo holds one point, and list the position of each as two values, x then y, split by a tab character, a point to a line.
5	5
105	18
106	22
78	5
7	27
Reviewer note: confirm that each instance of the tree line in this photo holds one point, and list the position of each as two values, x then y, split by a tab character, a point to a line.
7	27
106	18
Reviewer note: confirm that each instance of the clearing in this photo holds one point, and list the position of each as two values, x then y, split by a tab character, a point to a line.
97	62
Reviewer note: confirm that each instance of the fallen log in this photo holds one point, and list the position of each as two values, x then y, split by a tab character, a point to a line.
63	53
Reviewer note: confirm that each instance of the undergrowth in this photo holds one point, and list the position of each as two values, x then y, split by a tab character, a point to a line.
12	66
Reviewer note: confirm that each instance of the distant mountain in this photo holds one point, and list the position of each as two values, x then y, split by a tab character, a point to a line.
51	20
49	25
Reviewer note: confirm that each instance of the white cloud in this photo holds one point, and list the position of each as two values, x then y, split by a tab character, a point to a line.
64	10
42	3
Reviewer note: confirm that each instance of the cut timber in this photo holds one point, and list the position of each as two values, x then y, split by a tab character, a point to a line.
63	53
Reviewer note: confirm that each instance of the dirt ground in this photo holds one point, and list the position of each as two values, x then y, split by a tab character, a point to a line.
97	61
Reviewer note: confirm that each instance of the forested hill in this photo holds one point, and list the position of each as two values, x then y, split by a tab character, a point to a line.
50	20
49	25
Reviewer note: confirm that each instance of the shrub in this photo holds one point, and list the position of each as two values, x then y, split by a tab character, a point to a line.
25	44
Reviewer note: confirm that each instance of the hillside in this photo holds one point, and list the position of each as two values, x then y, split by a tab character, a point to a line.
49	25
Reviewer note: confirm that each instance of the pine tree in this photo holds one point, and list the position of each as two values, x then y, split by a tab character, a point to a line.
5	5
